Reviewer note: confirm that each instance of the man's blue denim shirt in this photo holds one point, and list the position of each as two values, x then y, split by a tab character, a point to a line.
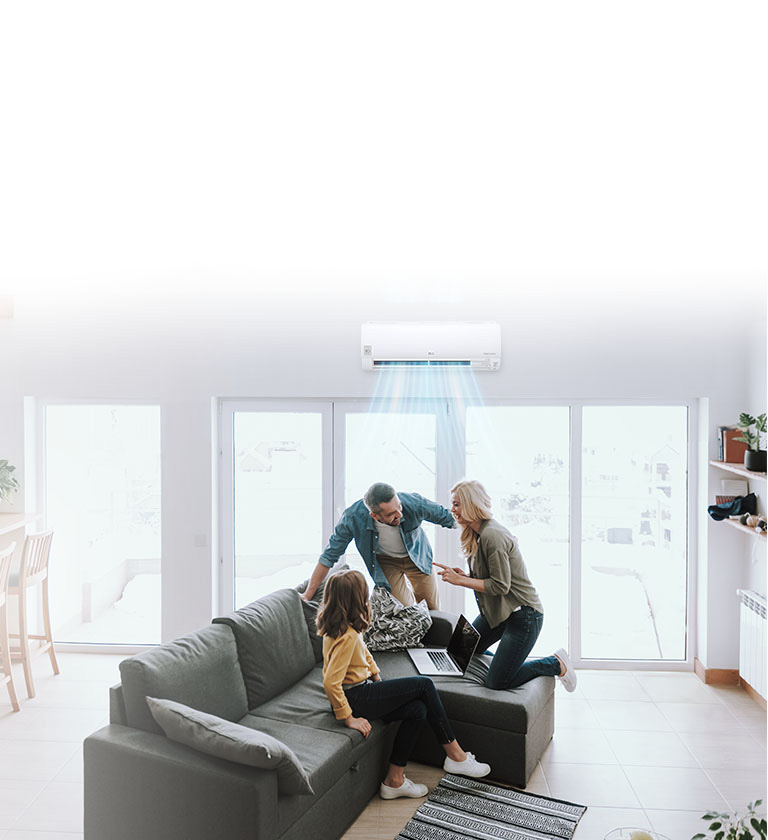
356	524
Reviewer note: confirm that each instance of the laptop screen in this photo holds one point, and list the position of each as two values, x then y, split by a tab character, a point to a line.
463	642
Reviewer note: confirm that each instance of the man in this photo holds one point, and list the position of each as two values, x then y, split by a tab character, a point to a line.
386	528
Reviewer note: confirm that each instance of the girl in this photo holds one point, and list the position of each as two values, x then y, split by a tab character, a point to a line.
510	610
357	693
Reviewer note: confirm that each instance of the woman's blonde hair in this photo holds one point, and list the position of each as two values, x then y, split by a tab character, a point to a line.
475	507
345	604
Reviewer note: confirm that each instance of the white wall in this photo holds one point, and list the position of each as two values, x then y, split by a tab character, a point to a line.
630	337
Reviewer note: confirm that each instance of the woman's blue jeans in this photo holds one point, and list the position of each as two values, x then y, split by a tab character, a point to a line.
516	637
413	700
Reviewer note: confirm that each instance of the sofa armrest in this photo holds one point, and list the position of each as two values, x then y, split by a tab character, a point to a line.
439	634
142	785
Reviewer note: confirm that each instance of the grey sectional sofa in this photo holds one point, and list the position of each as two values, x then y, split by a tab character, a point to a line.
261	667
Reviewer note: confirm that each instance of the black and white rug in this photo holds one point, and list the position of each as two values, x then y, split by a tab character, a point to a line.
459	808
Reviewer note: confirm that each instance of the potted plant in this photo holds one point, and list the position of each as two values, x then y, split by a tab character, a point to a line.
735	827
751	429
8	484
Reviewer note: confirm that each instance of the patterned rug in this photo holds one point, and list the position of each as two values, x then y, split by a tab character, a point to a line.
459	808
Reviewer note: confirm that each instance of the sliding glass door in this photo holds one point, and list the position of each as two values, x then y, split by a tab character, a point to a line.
596	496
278	508
634	532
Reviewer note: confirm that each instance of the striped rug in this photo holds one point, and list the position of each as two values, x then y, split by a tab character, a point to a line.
459	808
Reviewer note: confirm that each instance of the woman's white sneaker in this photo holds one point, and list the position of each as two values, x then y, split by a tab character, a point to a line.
568	679
407	788
469	767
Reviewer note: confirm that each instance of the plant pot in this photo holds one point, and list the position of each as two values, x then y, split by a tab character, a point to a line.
755	460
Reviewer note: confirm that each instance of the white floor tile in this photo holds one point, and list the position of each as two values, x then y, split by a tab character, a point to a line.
726	750
674	788
649	749
634	715
677	824
72	771
700	717
574	746
59	807
740	787
40	835
43	724
677	688
35	760
612	686
15	798
597	822
591	784
575	714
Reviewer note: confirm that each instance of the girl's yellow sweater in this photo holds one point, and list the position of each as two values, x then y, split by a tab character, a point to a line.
346	660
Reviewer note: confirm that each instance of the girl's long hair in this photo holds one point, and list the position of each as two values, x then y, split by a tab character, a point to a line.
475	507
345	604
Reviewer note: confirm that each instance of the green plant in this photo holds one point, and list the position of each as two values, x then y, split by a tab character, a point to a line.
752	439
733	826
8	484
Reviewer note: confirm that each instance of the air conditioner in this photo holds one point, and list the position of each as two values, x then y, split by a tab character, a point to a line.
475	345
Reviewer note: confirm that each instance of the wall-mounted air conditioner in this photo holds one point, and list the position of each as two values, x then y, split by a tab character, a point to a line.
471	344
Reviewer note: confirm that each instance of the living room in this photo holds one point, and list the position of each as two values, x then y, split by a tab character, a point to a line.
212	282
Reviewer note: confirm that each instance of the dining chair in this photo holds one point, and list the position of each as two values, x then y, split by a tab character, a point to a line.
33	570
6	556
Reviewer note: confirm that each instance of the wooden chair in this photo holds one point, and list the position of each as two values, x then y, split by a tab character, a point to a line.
6	555
34	570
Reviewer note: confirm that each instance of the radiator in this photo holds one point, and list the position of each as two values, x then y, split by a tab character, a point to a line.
752	647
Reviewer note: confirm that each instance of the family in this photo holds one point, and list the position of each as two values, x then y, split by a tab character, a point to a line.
386	528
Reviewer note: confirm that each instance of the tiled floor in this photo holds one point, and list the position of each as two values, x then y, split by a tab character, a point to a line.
649	750
643	749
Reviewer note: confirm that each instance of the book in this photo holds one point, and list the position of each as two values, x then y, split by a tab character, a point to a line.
734	487
733	450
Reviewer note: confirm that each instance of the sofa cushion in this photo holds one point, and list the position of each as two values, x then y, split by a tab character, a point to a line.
200	670
305	703
466	699
222	739
310	609
272	644
324	755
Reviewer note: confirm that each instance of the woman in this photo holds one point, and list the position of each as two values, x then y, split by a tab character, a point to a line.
510	609
357	693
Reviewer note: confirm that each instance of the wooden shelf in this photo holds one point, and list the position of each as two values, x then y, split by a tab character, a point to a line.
745	528
739	469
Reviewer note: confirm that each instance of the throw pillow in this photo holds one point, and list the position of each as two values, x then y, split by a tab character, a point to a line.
223	739
394	625
310	609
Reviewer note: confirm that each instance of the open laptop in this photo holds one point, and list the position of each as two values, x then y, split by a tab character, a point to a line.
452	660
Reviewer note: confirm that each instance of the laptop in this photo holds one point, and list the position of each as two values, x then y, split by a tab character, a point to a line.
452	660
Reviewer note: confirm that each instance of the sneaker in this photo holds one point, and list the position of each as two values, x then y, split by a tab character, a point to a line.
407	788
568	679
469	767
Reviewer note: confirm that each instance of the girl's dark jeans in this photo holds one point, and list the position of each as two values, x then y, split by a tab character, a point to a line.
516	637
413	700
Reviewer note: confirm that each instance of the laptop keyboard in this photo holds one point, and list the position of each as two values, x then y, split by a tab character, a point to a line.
441	660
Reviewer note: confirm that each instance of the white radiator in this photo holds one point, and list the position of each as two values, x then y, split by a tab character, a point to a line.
752	647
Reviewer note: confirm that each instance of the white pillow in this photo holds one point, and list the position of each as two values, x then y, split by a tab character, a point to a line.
231	741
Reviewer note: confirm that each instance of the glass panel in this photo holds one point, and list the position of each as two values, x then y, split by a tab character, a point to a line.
103	503
278	500
521	456
634	539
396	448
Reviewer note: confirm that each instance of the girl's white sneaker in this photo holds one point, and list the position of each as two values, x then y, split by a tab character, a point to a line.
407	788
568	679
469	767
